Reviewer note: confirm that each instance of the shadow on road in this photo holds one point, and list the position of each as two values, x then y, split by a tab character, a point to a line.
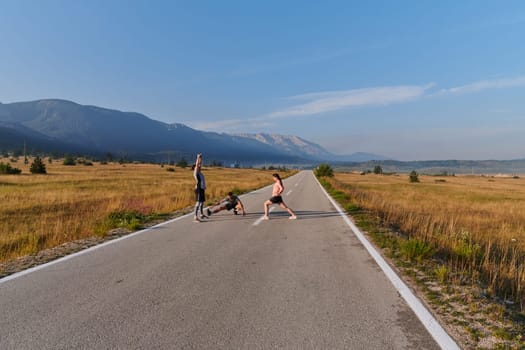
276	214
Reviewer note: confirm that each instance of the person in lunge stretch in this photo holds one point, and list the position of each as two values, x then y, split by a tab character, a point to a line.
200	188
228	203
276	198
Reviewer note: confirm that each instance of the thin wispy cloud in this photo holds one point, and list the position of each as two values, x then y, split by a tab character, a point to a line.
485	85
280	61
318	103
330	101
321	102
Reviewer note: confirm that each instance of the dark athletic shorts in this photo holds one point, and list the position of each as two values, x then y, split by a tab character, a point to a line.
230	205
276	199
199	195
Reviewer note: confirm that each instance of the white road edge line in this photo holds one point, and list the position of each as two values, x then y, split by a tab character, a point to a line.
288	193
431	324
258	221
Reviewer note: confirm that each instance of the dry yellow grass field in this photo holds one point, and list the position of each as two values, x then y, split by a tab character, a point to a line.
73	202
476	224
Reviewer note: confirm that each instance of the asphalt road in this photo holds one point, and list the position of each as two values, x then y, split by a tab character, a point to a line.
233	282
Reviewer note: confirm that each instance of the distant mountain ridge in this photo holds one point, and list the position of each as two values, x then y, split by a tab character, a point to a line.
359	157
437	167
290	144
60	125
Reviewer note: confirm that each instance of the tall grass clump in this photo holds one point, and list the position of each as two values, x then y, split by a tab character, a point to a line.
442	274
416	249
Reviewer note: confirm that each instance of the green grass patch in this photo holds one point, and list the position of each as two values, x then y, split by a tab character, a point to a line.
434	297
474	333
130	220
502	333
340	196
442	274
416	249
352	208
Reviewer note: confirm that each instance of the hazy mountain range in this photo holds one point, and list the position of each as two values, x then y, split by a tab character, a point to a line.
65	127
440	167
54	125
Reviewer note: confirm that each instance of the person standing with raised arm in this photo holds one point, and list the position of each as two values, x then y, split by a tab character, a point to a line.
200	188
276	198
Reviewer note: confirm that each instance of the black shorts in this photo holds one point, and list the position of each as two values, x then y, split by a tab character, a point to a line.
230	205
276	199
199	195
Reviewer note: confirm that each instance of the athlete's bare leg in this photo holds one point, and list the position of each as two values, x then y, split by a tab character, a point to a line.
266	206
290	211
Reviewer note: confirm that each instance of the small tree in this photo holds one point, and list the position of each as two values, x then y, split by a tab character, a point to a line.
414	176
324	170
38	166
8	169
69	161
378	169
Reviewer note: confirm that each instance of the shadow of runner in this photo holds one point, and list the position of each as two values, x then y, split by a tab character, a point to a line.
276	214
227	216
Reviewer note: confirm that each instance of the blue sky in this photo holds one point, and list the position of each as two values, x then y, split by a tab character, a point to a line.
410	80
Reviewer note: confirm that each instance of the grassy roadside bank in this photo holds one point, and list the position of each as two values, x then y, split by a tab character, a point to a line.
71	203
409	223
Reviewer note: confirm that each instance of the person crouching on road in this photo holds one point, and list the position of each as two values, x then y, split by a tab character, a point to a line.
228	203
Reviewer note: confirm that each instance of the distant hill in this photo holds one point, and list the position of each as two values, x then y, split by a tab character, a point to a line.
434	167
66	126
358	157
